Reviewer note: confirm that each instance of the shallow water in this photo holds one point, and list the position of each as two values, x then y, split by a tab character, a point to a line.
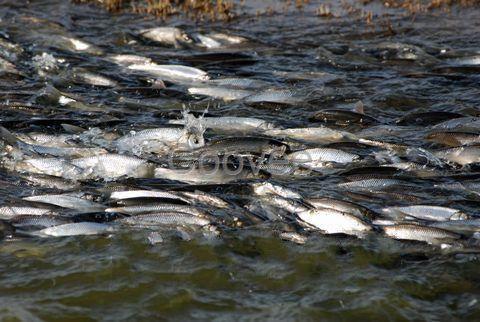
246	273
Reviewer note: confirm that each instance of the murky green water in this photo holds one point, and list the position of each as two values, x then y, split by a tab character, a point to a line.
246	274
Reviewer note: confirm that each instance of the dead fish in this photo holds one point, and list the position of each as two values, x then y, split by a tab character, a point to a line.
425	212
453	138
416	232
331	221
321	135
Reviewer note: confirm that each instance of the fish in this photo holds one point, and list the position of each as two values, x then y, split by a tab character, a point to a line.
343	117
463	155
74	229
161	140
67	201
204	198
164	219
42	221
8	212
371	184
134	194
331	221
231	124
266	188
342	206
319	135
167	36
245	144
223	93
317	156
158	207
430	235
173	73
208	174
453	138
458	226
425	212
111	166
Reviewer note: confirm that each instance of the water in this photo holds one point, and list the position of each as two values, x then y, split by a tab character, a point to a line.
247	274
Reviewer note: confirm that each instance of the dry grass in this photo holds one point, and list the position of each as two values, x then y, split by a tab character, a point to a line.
226	9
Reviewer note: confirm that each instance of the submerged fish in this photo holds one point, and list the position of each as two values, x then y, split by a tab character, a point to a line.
75	229
169	36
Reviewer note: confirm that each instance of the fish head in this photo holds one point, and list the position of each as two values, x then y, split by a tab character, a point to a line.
195	141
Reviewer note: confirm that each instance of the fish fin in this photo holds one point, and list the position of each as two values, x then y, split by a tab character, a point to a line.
73	129
359	107
8	136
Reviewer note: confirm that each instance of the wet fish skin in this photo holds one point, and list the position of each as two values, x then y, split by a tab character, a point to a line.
425	212
322	135
464	155
264	189
232	124
427	234
205	199
158	207
169	36
44	221
111	166
134	194
174	73
374	184
75	229
316	156
331	221
453	138
165	218
67	201
342	206
246	144
8	212
342	117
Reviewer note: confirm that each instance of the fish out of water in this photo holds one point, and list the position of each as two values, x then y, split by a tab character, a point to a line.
68	201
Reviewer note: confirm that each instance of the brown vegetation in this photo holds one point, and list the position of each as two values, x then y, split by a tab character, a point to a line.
227	9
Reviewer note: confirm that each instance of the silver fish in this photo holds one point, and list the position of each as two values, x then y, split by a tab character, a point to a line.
111	166
430	235
171	72
425	212
232	124
321	135
75	229
317	156
68	201
165	218
331	221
